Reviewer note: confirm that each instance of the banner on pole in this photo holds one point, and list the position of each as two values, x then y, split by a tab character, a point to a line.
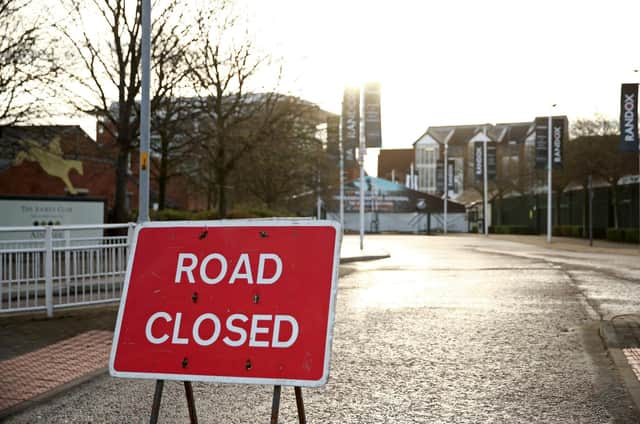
350	119
629	118
451	170
478	167
491	161
333	135
439	177
541	145
557	141
372	119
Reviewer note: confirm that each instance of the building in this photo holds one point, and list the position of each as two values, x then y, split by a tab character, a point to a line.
395	164
513	171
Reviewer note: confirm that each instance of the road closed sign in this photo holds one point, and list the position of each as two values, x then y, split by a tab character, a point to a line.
229	301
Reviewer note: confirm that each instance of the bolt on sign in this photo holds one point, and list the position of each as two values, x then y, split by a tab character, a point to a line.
231	302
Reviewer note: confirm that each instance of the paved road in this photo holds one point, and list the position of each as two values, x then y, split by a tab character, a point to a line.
447	330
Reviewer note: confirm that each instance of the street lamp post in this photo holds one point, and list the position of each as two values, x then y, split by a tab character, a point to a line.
446	181
145	127
485	182
549	176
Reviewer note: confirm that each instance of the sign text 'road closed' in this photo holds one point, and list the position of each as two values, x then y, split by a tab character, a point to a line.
242	302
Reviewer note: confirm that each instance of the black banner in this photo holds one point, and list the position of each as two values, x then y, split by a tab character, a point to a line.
542	144
557	142
629	118
478	167
350	119
439	177
451	173
372	125
333	134
491	161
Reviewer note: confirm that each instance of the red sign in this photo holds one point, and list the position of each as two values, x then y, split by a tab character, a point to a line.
236	302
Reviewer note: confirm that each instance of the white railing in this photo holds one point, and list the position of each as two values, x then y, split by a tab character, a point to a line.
42	268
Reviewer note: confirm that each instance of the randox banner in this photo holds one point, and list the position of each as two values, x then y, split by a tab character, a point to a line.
439	176
372	120
333	135
491	161
350	119
451	173
629	118
541	144
478	167
557	142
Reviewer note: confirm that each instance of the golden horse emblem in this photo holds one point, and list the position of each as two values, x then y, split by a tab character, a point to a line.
50	160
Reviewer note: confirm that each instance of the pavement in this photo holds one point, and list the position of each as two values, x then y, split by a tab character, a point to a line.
41	358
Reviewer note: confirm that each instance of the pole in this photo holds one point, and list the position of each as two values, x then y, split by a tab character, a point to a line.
361	154
486	183
361	162
590	211
446	183
143	193
549	212
341	149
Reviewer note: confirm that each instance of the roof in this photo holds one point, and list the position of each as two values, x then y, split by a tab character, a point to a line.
398	159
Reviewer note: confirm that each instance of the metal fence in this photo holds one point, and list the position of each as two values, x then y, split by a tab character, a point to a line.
42	268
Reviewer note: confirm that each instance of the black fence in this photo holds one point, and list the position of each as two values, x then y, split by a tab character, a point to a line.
570	209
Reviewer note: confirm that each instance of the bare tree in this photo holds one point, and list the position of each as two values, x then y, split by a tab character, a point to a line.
596	145
27	63
291	159
236	112
105	74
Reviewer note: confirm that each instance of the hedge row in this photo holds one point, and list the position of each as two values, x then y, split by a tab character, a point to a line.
511	229
177	215
629	235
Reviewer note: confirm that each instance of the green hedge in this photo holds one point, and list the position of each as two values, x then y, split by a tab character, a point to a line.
511	229
177	215
567	231
629	235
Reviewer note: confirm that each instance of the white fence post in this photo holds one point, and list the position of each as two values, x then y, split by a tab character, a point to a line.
67	257
48	269
130	232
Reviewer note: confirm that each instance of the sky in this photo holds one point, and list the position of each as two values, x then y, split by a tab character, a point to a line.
455	61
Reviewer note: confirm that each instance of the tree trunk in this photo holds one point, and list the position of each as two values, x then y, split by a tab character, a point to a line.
162	176
614	201
120	211
222	198
585	210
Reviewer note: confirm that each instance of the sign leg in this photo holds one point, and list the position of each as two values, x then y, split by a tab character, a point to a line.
275	405
157	397
191	404
300	404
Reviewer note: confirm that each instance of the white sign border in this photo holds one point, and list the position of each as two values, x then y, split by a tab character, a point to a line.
224	379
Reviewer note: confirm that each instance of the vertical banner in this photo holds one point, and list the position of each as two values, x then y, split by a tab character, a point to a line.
629	118
541	142
350	122
478	167
372	119
333	134
451	173
439	177
491	161
557	142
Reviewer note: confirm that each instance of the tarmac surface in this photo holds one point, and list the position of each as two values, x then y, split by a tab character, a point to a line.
42	359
